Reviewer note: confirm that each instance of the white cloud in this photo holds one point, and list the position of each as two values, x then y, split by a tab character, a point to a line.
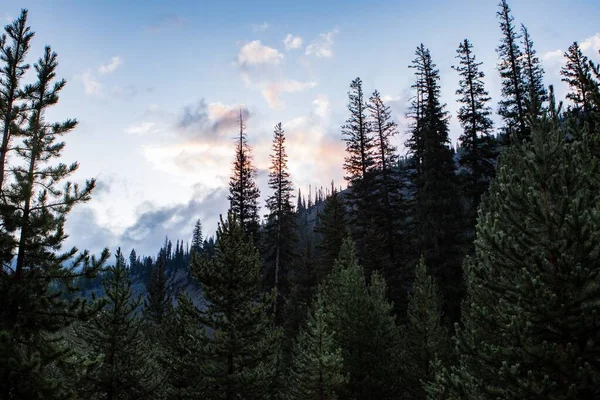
141	129
292	42
591	45
274	89
254	53
114	63
322	106
90	83
260	27
322	45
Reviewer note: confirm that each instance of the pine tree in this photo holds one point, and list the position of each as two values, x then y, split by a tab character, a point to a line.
384	238
281	239
364	327
158	303
478	146
331	231
359	161
243	347
512	105
424	339
243	192
197	238
120	360
36	281
183	356
535	93
436	208
530	326
14	45
577	74
316	371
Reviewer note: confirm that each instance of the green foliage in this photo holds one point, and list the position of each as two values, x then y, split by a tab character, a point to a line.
534	89
530	326
120	360
331	231
158	303
242	346
317	368
424	339
364	327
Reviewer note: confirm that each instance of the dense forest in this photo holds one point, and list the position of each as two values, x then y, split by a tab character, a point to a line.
467	272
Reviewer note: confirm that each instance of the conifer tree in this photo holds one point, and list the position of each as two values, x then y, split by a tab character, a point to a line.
317	368
183	356
360	160
530	327
424	339
281	239
436	209
512	105
384	237
331	231
243	347
120	360
243	192
158	303
197	238
364	327
478	146
36	279
577	74
14	45
535	92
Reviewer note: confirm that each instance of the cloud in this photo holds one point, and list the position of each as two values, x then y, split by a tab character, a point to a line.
322	106
114	63
292	42
591	45
254	53
260	27
90	83
273	90
322	45
141	129
200	120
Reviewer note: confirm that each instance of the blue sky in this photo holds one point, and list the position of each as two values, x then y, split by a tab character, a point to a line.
156	86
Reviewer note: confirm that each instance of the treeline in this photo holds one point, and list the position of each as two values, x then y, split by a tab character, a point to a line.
469	274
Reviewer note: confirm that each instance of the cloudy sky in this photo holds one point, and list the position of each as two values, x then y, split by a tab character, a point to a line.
157	86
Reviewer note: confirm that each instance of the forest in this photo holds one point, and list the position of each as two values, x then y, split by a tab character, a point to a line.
467	272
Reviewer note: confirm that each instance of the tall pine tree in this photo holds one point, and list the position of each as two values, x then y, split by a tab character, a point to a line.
533	73
331	232
512	107
243	192
280	240
197	238
242	347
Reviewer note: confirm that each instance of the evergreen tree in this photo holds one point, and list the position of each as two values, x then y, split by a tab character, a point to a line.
530	326
512	105
436	209
197	238
359	161
478	146
364	327
535	92
158	303
384	238
14	45
35	278
243	192
183	356
133	263
331	231
577	74
243	346
120	360
317	369
281	239
424	339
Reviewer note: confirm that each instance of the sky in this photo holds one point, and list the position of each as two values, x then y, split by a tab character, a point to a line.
157	87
